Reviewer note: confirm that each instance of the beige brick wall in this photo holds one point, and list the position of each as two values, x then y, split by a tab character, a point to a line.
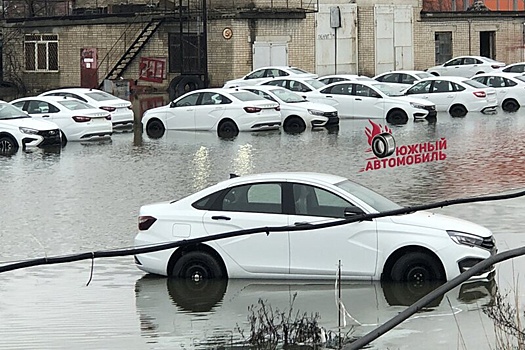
366	38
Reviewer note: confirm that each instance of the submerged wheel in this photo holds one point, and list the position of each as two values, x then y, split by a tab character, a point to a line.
294	125
227	129
155	129
8	145
197	266
397	117
417	268
510	105
197	296
63	139
458	111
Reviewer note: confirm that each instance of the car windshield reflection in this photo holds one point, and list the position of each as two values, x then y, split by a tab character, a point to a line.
373	199
8	111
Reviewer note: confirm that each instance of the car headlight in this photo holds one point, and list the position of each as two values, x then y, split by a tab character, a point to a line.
417	105
465	238
28	131
316	112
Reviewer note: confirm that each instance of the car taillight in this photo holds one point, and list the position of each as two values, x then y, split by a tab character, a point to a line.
278	108
81	119
480	94
145	222
252	109
108	117
109	109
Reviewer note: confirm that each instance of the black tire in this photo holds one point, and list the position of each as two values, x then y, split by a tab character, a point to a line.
397	117
183	84
155	129
294	125
8	145
458	111
510	105
63	139
227	129
197	266
417	269
383	145
197	296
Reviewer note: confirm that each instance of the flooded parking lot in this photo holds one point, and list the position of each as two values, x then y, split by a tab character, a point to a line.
86	198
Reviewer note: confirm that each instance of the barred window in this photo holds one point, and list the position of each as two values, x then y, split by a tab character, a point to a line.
41	52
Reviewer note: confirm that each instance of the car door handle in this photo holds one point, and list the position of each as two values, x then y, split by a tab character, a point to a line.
450	96
45	116
359	99
329	96
221	217
302	223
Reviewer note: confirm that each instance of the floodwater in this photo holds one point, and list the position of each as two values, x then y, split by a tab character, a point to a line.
86	198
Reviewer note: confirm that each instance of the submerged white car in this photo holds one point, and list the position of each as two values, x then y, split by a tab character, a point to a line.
372	99
226	111
509	89
19	131
297	113
466	66
420	246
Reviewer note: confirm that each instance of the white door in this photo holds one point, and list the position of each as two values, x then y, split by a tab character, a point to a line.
367	102
340	96
269	54
442	94
210	110
182	115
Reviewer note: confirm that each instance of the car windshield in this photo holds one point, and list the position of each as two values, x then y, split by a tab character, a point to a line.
75	104
298	70
373	199
316	84
388	90
100	96
475	84
247	96
287	96
8	111
424	75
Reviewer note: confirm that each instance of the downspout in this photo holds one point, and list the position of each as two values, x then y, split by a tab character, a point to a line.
356	43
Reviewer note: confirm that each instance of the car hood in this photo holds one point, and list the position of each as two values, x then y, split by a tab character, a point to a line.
420	101
441	222
30	123
312	105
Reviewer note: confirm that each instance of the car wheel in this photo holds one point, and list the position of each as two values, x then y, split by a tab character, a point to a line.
197	266
227	129
63	139
458	111
416	268
197	296
397	117
8	145
406	293
155	129
294	125
510	105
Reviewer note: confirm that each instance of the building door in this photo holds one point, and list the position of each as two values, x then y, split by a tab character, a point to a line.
88	68
487	44
269	54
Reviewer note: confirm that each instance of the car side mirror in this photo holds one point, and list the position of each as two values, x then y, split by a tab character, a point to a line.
352	211
172	104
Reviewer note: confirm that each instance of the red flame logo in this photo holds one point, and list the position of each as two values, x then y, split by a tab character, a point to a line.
376	130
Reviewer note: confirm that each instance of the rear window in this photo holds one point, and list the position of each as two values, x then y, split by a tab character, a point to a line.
474	84
100	96
246	96
75	104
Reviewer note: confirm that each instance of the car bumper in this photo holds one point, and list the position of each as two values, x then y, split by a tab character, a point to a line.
122	118
95	130
155	262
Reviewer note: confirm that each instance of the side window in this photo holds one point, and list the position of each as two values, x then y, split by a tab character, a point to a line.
407	79
207	99
339	89
256	75
495	82
190	100
458	87
282	73
314	201
469	60
299	87
362	90
441	86
509	82
454	62
257	198
37	107
422	87
390	78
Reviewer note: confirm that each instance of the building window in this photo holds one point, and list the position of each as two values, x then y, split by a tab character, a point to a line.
187	53
41	52
443	42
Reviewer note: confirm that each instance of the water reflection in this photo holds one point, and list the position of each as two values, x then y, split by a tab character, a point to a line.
209	313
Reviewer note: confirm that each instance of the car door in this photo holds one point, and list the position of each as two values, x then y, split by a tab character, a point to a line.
442	94
318	252
421	89
256	76
339	96
471	66
368	103
181	114
452	67
209	110
250	206
498	83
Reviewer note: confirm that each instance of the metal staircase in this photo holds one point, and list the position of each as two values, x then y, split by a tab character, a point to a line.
133	49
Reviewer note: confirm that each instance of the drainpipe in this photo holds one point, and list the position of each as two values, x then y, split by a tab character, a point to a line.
469	37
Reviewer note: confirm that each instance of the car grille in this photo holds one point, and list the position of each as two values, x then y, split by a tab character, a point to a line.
51	137
330	114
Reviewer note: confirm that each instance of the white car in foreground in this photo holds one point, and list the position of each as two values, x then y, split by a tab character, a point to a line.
297	113
402	79
226	111
456	95
372	99
265	73
19	130
510	89
77	120
121	110
466	66
420	246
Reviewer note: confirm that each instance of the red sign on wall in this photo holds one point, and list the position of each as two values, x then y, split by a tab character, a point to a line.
152	69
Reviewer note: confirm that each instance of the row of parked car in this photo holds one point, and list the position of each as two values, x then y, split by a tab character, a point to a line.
58	116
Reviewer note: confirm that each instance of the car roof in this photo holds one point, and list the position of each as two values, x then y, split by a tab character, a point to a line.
77	90
448	77
403	71
276	176
278	67
50	98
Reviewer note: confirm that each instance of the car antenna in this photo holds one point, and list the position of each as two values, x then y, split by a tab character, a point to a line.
232	175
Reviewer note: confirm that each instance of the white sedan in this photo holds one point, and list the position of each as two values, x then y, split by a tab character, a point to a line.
265	73
402	79
415	247
19	130
518	67
456	95
297	113
509	89
77	120
373	99
121	110
226	111
467	66
334	78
